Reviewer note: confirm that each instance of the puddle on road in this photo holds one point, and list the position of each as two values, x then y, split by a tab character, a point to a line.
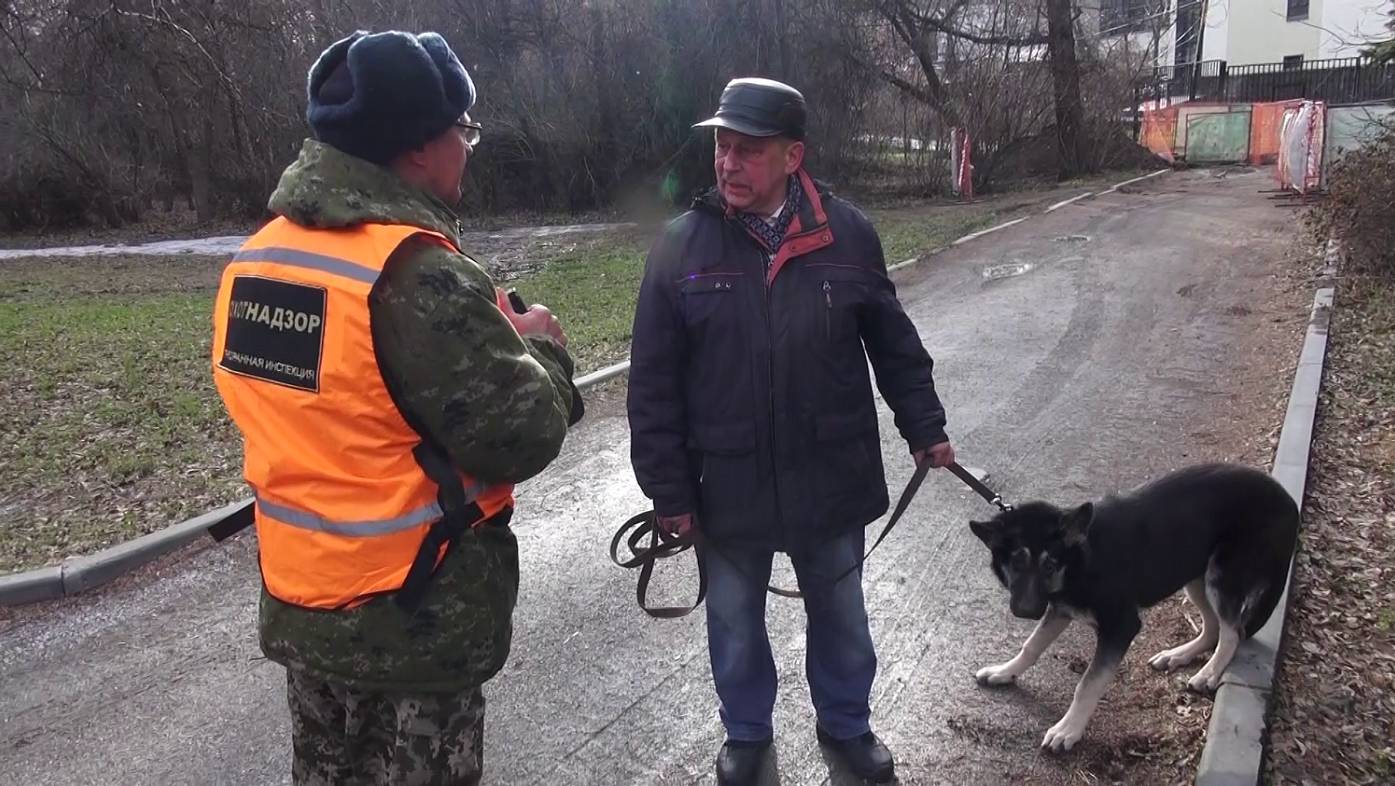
995	272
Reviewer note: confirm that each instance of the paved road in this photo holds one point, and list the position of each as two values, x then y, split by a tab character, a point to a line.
1086	372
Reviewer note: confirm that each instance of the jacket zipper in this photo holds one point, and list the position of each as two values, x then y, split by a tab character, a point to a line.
828	312
767	260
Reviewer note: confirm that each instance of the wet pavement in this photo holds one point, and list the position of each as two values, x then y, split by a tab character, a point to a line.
1078	369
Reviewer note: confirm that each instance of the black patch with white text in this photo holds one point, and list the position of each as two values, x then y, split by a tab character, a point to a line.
275	332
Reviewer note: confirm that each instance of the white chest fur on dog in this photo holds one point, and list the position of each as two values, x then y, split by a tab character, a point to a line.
1079	615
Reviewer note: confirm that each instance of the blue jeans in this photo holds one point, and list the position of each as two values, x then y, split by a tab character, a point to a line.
840	661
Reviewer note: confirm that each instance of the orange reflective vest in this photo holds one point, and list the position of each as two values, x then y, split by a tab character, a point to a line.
346	503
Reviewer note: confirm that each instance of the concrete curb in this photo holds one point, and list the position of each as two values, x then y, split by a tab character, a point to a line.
1235	741
82	573
604	375
78	574
988	231
1070	201
31	586
1118	186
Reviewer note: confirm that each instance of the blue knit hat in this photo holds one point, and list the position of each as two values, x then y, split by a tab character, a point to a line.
378	95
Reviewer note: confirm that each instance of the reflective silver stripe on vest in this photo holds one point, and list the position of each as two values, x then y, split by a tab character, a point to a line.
306	259
353	529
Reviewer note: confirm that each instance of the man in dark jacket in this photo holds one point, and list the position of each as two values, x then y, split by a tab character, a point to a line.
752	416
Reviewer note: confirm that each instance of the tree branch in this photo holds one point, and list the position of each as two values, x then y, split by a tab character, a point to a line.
914	91
19	50
942	24
169	22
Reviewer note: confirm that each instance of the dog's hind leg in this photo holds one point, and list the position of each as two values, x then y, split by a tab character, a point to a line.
1209	678
1112	642
1047	630
1229	612
1183	655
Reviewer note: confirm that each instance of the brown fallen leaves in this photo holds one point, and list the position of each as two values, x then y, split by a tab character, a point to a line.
1334	711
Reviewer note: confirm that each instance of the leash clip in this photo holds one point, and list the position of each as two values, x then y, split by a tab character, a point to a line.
989	495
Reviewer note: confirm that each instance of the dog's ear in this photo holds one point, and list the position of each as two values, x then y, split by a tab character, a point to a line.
987	531
1076	524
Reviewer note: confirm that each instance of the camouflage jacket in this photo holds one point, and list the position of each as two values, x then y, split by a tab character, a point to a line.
499	405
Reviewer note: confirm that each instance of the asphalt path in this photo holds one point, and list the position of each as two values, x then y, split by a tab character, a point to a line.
1070	350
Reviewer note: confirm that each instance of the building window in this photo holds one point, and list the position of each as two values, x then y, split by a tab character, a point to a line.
1293	62
1188	27
1297	10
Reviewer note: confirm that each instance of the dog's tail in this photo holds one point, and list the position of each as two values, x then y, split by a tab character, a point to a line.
1261	604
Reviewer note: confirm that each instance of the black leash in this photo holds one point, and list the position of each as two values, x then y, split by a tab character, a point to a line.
663	545
979	488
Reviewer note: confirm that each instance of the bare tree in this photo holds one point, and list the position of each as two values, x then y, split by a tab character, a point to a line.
1384	51
117	108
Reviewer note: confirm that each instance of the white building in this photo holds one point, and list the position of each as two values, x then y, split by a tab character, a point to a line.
1290	31
1245	32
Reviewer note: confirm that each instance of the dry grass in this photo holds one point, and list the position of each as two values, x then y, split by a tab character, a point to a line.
111	423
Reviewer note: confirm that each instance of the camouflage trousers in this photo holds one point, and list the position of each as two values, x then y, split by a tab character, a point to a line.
344	736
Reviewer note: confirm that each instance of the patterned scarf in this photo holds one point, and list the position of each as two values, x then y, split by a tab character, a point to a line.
771	236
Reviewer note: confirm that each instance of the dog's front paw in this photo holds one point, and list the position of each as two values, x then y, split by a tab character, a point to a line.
1186	654
1064	735
1002	674
1204	682
1173	659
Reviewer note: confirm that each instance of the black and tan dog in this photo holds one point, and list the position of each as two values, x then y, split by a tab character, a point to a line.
1224	533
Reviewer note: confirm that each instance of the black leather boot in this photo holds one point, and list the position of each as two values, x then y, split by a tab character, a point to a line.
865	756
739	762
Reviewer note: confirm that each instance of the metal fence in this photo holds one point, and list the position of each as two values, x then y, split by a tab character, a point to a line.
1182	81
1339	81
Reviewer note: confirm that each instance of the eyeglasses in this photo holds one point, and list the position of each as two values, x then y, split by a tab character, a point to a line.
472	131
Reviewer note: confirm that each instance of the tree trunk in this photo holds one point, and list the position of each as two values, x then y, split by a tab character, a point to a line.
603	147
1065	78
201	173
783	37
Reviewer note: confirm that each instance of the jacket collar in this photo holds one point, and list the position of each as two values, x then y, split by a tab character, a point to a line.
808	232
327	189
